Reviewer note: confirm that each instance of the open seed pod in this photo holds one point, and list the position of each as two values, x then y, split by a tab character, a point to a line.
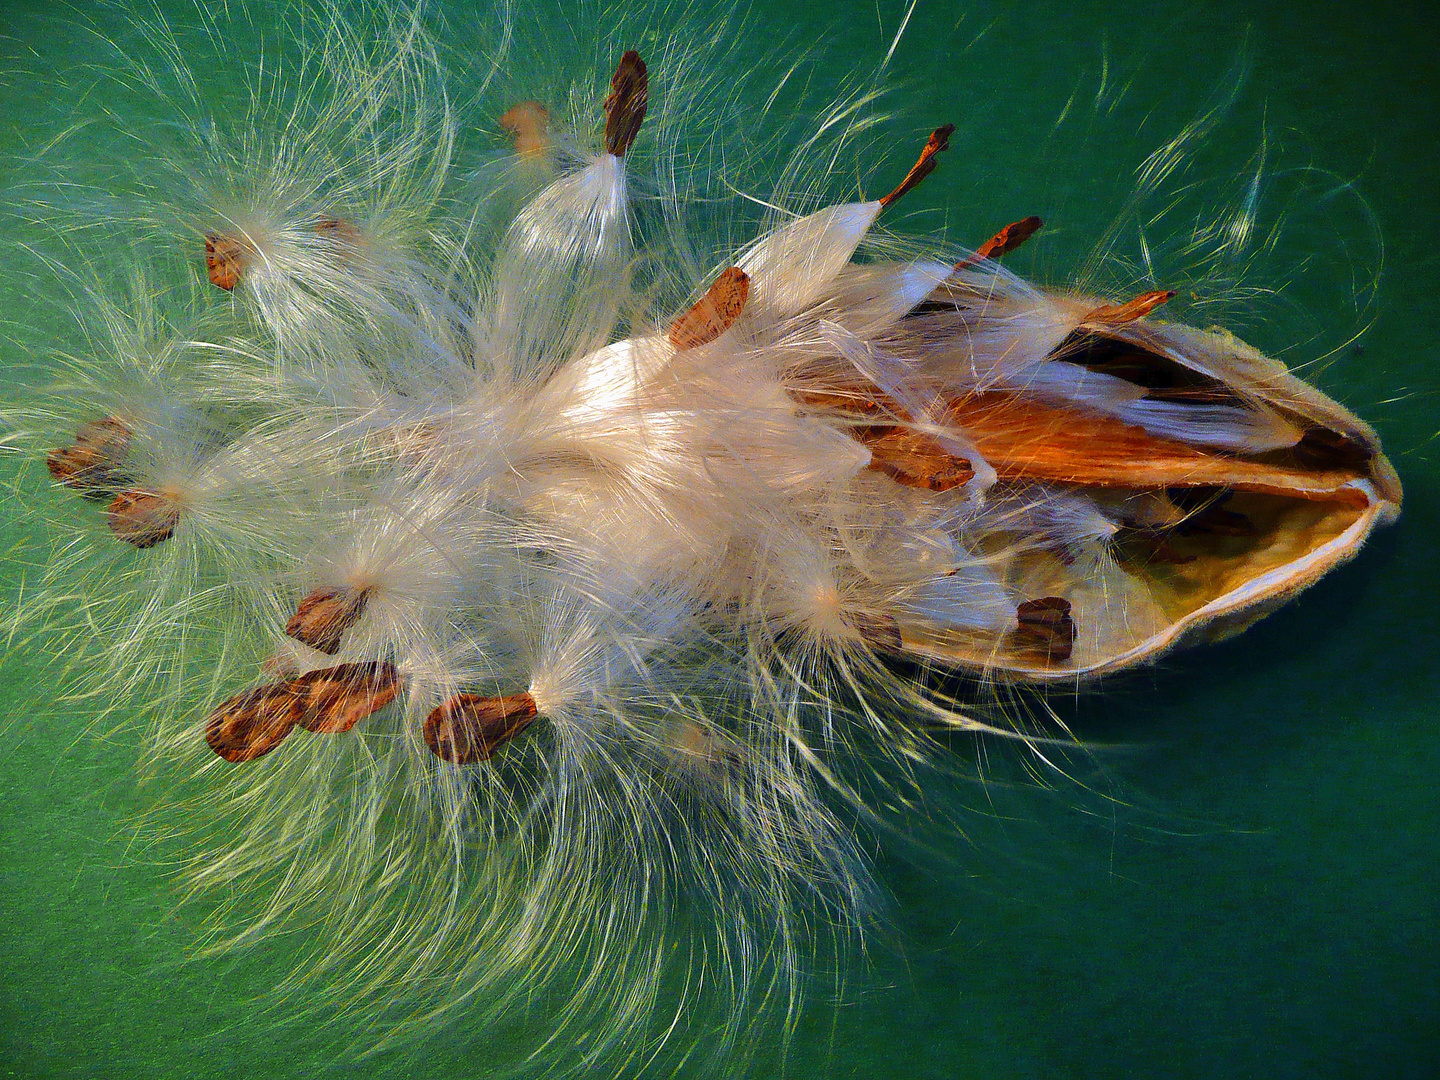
1225	483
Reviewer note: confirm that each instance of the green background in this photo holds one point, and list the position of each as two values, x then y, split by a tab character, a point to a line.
1239	878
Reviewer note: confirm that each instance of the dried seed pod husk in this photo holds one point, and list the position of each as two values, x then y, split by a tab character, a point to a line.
1297	503
469	728
325	614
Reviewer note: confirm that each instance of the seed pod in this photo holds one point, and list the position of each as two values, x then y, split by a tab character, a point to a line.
625	107
529	123
1044	629
914	459
1005	241
1138	308
328	701
469	728
939	140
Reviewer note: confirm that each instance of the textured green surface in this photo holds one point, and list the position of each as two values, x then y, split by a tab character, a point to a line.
1239	880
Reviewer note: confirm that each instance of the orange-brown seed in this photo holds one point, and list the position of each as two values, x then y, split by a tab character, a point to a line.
143	518
715	313
325	614
469	728
225	259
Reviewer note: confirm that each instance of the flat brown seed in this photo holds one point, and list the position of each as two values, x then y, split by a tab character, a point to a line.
225	258
1044	628
325	614
915	459
107	434
939	140
880	632
1142	305
469	728
251	724
83	469
142	518
529	123
715	313
337	698
91	465
339	231
1005	241
625	107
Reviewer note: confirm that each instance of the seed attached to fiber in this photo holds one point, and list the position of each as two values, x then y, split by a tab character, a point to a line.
939	140
339	231
625	107
251	724
143	518
715	313
1044	628
323	616
529	123
331	700
915	459
1142	305
92	464
335	699
881	632
225	259
469	728
1005	241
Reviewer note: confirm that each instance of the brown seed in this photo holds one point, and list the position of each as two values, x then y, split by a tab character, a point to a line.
914	459
335	699
880	632
91	465
939	140
225	259
1005	241
251	724
143	518
339	231
529	123
1327	449
625	107
715	313
323	616
1044	628
469	728
331	700
1142	305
